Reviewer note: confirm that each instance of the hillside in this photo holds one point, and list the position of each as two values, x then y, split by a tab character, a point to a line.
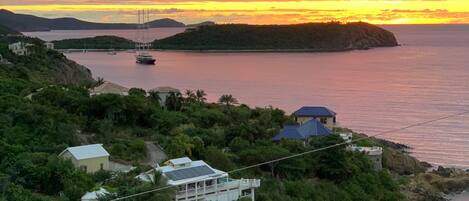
5	30
301	37
42	65
25	23
98	42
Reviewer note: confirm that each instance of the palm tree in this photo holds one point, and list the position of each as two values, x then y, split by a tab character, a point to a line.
228	100
200	96
190	96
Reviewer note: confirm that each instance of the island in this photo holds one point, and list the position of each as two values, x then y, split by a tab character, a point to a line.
310	37
95	43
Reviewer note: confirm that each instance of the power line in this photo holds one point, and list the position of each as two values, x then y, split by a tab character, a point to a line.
311	151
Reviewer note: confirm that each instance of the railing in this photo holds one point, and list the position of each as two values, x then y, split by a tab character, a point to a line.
241	184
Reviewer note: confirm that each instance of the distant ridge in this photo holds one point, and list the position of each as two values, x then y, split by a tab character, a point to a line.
27	23
206	23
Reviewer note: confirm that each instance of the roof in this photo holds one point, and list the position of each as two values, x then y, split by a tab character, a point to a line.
87	151
195	171
165	89
309	129
313	111
109	87
95	195
179	161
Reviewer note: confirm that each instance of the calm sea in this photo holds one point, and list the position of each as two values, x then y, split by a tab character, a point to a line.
372	91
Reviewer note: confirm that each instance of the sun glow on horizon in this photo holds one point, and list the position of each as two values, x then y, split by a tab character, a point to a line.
260	12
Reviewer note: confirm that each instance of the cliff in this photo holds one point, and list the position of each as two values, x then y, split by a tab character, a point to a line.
300	37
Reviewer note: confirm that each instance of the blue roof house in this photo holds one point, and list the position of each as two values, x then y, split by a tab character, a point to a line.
323	114
303	132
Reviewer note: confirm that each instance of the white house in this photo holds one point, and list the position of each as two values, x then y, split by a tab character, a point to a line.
95	195
164	92
20	48
89	158
49	45
196	180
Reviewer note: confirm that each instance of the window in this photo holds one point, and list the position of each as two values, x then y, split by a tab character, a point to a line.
83	167
323	120
101	166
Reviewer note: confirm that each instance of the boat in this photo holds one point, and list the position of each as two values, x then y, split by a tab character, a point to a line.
142	46
112	52
145	58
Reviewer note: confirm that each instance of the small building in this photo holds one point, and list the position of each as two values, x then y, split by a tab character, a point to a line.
95	195
164	92
20	48
110	88
196	180
322	114
303	132
49	45
89	158
347	137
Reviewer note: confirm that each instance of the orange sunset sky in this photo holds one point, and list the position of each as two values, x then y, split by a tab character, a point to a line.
252	11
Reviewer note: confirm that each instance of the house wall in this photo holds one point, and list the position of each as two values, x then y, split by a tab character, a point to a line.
92	165
163	96
329	120
377	161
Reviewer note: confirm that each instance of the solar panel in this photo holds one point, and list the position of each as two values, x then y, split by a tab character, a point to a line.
189	173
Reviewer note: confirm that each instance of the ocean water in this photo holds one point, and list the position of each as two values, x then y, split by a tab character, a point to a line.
372	91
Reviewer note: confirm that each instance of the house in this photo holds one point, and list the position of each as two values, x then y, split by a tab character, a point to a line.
95	195
3	60
49	45
20	48
303	132
89	158
164	92
196	180
322	114
110	88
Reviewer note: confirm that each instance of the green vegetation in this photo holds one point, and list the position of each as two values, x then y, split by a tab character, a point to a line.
301	37
226	135
98	42
5	30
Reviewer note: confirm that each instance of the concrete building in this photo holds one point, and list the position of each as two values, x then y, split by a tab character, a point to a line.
196	180
164	92
303	132
89	158
49	45
20	48
322	114
110	88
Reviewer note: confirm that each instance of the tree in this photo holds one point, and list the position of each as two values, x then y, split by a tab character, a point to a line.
200	96
228	100
190	96
137	92
174	101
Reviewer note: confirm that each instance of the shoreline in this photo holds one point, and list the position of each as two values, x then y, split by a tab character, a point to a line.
229	50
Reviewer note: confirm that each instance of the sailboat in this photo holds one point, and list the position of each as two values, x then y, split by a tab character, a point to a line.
142	46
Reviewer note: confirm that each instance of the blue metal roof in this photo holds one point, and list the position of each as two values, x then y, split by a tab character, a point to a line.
314	112
309	129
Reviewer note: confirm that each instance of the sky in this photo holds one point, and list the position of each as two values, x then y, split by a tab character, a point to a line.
253	11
